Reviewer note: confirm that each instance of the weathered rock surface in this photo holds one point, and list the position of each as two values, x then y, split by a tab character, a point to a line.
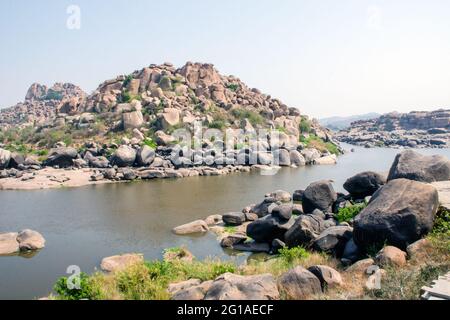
399	214
391	256
30	240
305	229
198	226
124	156
299	284
364	184
121	262
328	277
319	195
269	228
414	166
235	287
333	240
234	218
8	243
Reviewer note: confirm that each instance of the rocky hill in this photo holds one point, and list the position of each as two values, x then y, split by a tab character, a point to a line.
414	129
113	125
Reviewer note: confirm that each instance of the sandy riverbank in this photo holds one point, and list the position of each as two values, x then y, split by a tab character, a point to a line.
50	178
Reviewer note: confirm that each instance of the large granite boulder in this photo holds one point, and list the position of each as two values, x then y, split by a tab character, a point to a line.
145	156
299	284
234	218
30	240
124	156
319	195
328	277
236	287
364	184
305	229
415	166
269	228
62	157
399	213
131	120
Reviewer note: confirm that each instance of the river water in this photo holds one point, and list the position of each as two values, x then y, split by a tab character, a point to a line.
83	225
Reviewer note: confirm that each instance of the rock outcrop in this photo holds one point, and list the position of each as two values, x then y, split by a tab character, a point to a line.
414	129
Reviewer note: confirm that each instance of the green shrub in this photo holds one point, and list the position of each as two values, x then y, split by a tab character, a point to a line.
348	213
127	80
217	124
442	222
233	87
314	141
253	117
304	126
290	255
87	289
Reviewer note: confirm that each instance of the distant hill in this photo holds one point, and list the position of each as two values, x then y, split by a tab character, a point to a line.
339	123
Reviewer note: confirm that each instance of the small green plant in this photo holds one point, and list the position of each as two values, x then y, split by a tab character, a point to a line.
348	213
217	124
313	141
128	97
87	290
230	229
281	129
233	87
150	143
290	255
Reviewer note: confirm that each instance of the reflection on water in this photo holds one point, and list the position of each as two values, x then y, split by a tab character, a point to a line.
83	225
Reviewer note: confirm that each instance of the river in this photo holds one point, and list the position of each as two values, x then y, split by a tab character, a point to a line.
83	225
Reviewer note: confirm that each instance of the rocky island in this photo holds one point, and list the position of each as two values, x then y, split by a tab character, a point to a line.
414	130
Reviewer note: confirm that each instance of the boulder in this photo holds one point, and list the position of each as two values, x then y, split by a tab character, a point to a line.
9	243
305	229
163	139
351	251
280	195
234	218
326	160
30	240
264	208
282	157
236	287
282	212
361	266
255	247
364	184
169	118
16	160
333	240
62	157
213	219
124	156
132	120
391	256
319	195
310	155
192	292
419	250
299	284
399	213
198	226
269	228
328	277
414	166
231	240
277	244
145	156
5	156
121	262
298	195
297	159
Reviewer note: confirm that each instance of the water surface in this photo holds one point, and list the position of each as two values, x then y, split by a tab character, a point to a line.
83	225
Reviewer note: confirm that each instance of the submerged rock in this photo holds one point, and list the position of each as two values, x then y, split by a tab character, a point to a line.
198	226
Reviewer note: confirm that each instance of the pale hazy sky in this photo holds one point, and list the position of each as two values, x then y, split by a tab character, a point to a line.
325	57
